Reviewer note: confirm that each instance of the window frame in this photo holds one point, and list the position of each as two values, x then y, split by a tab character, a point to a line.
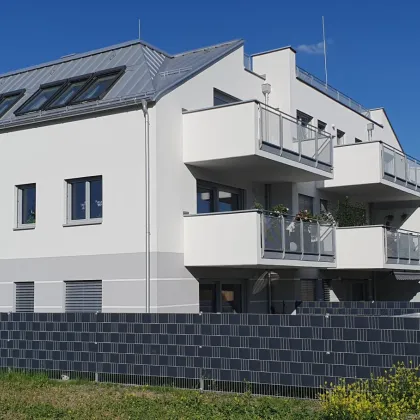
67	83
19	203
19	95
118	71
69	201
215	188
323	202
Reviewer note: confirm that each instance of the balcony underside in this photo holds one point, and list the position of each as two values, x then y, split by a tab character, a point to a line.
383	191
267	167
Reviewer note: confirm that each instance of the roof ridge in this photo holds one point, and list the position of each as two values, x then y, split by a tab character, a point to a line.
77	56
222	44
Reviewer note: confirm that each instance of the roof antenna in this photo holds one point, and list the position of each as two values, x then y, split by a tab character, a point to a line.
325	53
139	29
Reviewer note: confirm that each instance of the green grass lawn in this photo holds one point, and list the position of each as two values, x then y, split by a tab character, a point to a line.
37	397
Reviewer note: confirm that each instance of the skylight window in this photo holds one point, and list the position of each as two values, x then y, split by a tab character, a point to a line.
8	100
100	85
72	89
39	99
88	87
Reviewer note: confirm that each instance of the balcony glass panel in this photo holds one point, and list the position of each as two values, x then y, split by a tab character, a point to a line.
286	235
295	137
402	247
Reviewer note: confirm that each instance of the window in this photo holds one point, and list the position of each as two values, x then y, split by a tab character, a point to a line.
321	126
356	140
340	137
66	95
84	200
84	296
26	205
88	87
222	98
323	205
221	296
100	85
24	298
8	100
37	101
303	131
217	198
306	203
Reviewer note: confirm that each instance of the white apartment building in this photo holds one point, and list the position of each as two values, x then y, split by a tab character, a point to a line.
130	179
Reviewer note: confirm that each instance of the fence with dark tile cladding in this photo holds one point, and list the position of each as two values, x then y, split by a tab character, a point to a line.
268	354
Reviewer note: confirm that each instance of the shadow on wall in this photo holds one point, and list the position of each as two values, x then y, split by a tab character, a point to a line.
387	287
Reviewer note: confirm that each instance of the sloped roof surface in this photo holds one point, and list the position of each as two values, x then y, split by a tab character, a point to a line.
149	74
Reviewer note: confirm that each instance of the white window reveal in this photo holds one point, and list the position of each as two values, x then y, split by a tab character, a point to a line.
84	200
24	297
26	206
84	296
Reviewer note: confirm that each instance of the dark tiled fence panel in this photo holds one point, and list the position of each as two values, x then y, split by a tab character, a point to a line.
269	350
361	304
357	311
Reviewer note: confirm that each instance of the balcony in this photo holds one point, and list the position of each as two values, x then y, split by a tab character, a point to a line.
256	239
377	247
374	172
256	142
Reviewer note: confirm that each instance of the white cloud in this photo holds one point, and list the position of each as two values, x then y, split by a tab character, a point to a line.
315	49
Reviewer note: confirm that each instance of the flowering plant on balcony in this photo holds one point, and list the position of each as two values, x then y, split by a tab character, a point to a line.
279	210
304	216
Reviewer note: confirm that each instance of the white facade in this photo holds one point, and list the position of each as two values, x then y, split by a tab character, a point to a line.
191	141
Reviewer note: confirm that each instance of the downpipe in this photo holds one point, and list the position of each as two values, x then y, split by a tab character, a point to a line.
147	198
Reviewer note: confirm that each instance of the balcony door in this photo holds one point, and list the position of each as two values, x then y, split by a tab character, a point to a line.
221	296
214	198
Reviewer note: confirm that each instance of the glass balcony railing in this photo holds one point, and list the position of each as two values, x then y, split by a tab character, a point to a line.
400	168
294	139
287	238
402	246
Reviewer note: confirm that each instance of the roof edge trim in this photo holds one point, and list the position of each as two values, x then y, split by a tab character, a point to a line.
235	45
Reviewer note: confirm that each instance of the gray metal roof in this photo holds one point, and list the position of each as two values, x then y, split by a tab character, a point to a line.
150	74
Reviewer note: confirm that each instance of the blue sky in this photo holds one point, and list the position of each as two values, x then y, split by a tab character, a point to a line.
373	50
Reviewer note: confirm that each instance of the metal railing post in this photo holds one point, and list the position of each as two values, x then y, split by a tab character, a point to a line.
409	248
316	149
405	167
300	145
260	125
262	223
301	239
319	240
395	167
398	236
283	236
415	174
281	133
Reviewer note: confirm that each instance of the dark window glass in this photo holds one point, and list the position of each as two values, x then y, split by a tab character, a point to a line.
204	200
231	298
96	199
37	101
321	126
222	98
98	88
28	194
306	203
228	201
78	200
356	140
340	137
68	94
207	297
6	103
